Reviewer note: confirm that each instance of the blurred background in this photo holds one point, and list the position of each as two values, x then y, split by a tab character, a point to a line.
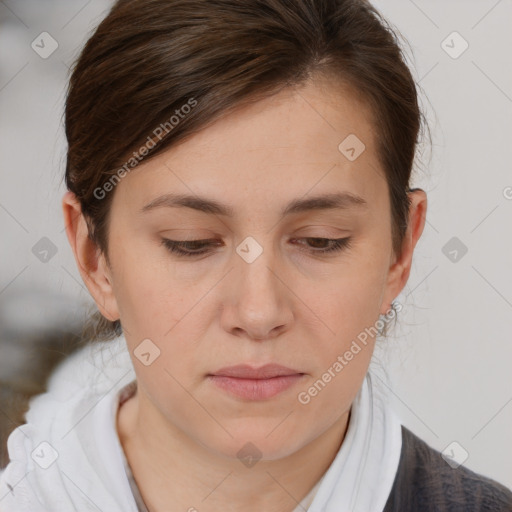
449	356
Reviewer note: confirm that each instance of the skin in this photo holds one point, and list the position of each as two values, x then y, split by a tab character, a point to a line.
180	433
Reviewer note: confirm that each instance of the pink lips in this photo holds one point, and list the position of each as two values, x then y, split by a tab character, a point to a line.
251	383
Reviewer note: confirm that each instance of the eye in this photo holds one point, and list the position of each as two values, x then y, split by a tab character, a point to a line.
333	244
188	247
191	248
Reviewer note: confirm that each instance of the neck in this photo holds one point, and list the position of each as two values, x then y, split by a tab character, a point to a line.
172	468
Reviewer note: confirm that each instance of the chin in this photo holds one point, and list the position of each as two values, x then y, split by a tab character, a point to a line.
252	442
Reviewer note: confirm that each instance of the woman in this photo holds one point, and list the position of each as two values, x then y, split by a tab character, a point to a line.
240	210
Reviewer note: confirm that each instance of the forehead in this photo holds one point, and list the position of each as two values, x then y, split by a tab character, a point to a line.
309	121
296	141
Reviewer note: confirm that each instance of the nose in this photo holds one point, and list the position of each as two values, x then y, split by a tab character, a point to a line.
258	301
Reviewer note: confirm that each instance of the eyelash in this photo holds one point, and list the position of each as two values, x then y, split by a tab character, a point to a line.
176	246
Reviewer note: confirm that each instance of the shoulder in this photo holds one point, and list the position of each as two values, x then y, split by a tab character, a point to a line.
75	420
426	482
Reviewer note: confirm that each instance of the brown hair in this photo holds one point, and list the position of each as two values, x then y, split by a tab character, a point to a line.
149	58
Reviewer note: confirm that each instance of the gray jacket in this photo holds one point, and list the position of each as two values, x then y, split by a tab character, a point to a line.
426	483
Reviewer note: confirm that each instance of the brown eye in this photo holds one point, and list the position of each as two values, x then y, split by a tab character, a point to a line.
188	247
327	245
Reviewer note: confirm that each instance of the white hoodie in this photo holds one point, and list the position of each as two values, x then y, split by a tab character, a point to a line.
67	457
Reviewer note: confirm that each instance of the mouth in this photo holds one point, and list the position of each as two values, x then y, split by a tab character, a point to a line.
249	383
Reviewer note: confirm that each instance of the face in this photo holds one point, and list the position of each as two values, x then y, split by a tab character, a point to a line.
276	277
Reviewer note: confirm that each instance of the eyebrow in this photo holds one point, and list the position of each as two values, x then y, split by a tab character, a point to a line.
332	201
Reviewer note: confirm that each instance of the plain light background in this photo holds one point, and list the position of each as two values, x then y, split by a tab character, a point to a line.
449	357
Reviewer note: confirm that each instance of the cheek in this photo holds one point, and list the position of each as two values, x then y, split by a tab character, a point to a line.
349	309
150	296
350	302
174	314
343	353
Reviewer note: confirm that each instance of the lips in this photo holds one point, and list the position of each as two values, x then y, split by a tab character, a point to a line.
248	383
245	371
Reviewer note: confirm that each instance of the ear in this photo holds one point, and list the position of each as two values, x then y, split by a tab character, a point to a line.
401	266
91	263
